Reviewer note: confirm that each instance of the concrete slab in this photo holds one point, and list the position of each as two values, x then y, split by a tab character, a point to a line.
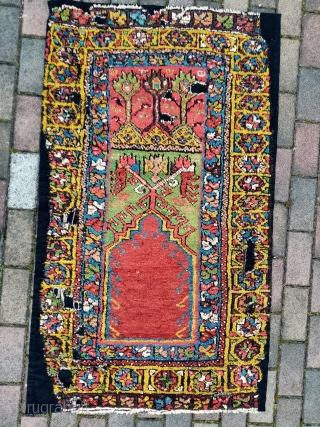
3	200
19	238
27	125
9	405
11	355
23	185
14	298
7	78
31	66
35	15
309	94
9	33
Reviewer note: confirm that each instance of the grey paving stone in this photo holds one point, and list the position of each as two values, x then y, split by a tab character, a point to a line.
3	199
146	415
35	15
283	171
295	313
310	49
1	247
261	9
290	380
277	284
147	423
19	238
65	419
204	424
264	3
286	119
5	129
237	5
298	258
275	325
288	412
158	2
313	360
291	17
9	405
311	407
178	420
180	3
123	2
315	295
303	199
7	77
309	94
12	2
312	5
289	65
280	217
34	422
208	3
317	235
24	169
14	297
93	422
267	416
233	420
207	417
11	355
306	149
9	33
27	125
121	420
31	66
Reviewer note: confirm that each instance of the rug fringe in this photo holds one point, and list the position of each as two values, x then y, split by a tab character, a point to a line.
183	8
155	412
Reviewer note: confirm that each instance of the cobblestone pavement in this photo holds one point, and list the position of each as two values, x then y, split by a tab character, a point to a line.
293	397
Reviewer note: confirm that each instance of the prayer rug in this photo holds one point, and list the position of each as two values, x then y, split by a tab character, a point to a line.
152	280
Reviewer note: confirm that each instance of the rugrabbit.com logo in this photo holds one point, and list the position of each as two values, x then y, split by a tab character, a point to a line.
51	408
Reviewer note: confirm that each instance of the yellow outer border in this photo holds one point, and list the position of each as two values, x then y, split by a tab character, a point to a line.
199	43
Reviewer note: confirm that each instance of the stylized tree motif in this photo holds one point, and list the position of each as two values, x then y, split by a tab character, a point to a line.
119	176
156	164
182	85
127	85
188	185
156	84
